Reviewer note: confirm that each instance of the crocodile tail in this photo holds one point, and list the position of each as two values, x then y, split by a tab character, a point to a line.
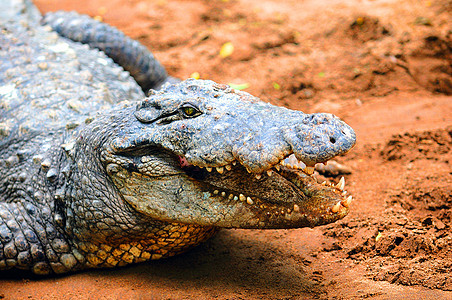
129	54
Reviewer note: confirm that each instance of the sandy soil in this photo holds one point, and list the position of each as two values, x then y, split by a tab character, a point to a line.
382	66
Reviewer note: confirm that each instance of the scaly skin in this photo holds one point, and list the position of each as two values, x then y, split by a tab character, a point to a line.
89	181
128	53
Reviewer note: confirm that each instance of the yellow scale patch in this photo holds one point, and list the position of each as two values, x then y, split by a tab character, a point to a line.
171	240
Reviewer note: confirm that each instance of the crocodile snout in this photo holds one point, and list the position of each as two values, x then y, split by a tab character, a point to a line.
319	137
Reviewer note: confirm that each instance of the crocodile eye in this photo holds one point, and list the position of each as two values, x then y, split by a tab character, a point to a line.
190	111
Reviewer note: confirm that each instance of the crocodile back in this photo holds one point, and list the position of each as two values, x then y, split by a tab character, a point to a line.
49	84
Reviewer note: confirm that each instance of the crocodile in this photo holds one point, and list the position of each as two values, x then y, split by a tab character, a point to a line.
94	173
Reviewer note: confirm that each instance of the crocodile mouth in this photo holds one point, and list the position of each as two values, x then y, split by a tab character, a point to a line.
287	188
286	195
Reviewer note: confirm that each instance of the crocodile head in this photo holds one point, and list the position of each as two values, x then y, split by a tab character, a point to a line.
202	153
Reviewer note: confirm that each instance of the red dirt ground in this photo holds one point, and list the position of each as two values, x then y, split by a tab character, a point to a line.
385	68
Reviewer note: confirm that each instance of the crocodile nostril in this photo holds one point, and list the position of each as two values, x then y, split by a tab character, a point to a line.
332	140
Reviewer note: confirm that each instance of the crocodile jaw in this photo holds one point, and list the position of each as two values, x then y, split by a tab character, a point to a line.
285	198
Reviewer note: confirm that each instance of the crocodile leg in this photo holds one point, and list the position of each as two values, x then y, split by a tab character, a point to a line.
129	54
28	243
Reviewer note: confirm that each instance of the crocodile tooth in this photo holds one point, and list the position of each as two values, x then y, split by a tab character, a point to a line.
291	160
323	183
230	197
269	173
309	170
236	198
223	194
216	192
242	197
277	167
258	176
347	201
296	207
209	169
344	193
220	170
341	184
336	207
249	200
234	163
228	167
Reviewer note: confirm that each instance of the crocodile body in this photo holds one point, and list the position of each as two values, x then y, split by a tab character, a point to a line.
94	174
